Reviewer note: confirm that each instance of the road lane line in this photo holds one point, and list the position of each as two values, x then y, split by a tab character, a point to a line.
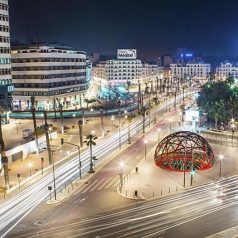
97	184
89	186
112	182
105	182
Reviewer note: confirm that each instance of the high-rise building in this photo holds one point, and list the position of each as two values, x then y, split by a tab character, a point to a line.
6	86
53	75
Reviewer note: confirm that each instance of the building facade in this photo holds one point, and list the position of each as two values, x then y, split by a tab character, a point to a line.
199	70
100	70
122	71
151	70
126	68
226	69
55	76
6	87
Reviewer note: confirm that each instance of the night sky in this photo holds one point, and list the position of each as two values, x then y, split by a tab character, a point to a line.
154	27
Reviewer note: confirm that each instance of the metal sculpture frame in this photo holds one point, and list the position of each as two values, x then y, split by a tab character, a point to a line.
184	151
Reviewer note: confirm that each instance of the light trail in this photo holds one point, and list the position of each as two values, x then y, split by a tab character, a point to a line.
16	208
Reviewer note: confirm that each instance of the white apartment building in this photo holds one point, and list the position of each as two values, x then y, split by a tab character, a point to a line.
120	71
6	86
199	70
54	75
225	69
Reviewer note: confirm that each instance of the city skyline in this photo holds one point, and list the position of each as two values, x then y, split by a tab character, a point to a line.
153	27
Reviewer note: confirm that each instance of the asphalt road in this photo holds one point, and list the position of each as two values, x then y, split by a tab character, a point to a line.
17	208
197	212
98	195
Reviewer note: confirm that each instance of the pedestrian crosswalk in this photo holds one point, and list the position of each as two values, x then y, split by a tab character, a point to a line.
102	184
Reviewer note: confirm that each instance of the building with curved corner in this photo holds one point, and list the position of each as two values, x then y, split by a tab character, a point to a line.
53	75
6	87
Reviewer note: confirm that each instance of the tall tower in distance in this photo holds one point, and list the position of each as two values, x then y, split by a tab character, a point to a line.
6	86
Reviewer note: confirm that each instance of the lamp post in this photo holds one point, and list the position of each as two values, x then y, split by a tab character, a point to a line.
74	115
17	123
220	158
175	94
145	143
170	126
54	182
30	166
80	124
233	131
158	130
80	164
192	169
102	122
112	119
119	120
121	172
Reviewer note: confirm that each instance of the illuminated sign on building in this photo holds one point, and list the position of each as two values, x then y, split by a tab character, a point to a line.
126	54
10	88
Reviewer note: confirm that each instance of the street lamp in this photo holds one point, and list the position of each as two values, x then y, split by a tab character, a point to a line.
74	120
158	130
233	131
112	119
16	122
30	166
80	164
220	158
145	143
121	172
170	127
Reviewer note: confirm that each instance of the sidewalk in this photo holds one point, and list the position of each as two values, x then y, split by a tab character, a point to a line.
20	170
151	181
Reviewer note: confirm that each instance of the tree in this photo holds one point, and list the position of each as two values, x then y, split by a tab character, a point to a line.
230	79
219	100
90	141
4	159
144	112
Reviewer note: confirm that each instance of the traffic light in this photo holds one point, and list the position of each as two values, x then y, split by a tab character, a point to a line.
62	141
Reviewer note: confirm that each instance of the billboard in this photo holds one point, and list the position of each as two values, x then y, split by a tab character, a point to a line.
126	54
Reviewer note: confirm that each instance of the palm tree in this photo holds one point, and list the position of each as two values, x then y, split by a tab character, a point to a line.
90	141
4	159
144	112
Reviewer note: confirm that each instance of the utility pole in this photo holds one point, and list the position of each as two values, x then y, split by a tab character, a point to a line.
4	157
47	138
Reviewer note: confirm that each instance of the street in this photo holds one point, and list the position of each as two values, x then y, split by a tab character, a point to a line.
18	207
213	206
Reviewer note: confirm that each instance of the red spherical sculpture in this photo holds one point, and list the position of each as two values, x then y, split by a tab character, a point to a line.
184	151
